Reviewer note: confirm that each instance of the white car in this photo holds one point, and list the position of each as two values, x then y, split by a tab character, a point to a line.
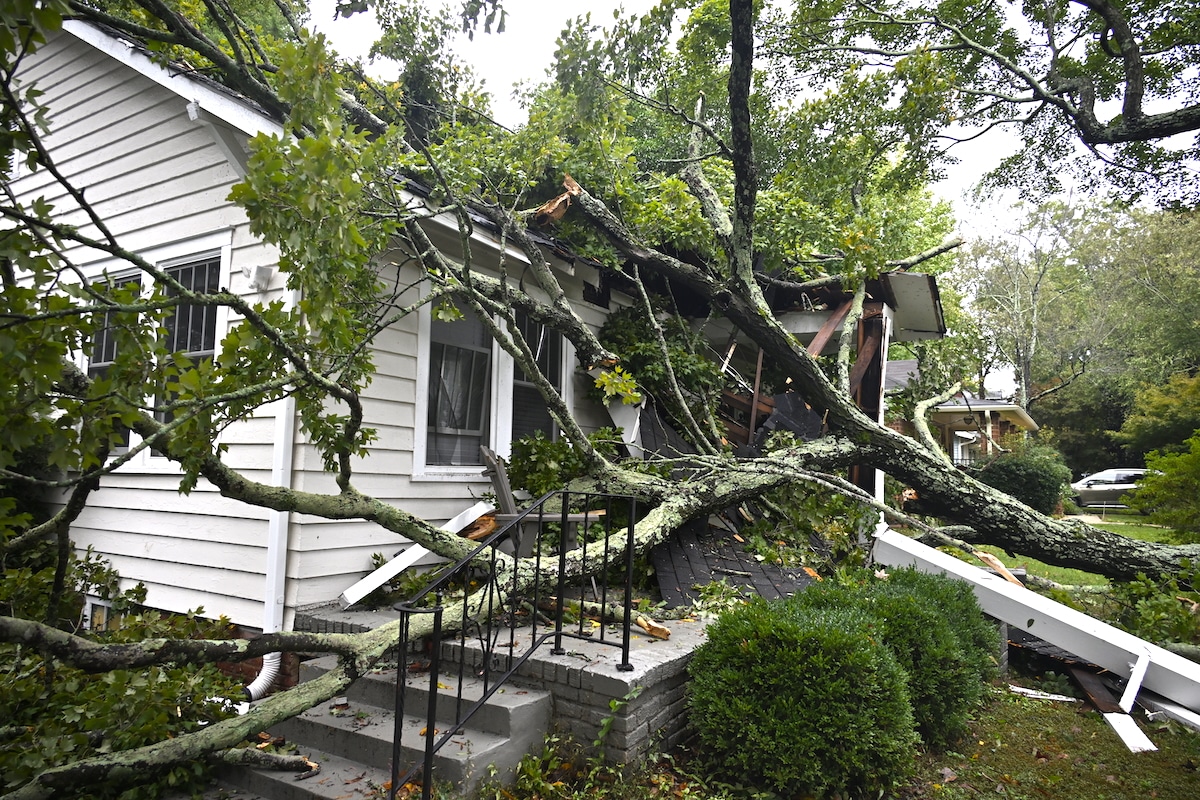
1107	487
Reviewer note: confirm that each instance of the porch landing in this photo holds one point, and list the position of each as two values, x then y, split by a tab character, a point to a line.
583	680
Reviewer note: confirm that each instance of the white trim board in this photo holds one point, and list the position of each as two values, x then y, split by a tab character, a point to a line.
1166	673
409	557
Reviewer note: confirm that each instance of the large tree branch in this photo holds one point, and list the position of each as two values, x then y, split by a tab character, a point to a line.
91	656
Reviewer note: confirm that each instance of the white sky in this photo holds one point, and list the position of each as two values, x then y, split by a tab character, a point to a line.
524	51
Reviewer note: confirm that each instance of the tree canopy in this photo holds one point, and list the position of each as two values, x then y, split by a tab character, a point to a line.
740	188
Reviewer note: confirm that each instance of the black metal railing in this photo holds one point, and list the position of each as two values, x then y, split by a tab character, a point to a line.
504	626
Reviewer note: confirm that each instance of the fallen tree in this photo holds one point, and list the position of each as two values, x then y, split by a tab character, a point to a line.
330	233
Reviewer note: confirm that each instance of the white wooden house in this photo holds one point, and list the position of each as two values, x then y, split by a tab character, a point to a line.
156	153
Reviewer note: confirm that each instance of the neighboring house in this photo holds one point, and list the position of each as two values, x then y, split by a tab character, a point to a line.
157	151
968	428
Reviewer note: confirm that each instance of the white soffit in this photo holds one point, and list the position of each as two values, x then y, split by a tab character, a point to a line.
918	306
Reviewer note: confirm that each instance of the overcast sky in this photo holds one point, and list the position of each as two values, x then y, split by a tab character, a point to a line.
525	49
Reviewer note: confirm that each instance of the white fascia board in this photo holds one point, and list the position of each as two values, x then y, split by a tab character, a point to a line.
1166	673
220	105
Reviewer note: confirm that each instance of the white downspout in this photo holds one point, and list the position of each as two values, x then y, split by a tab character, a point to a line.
274	594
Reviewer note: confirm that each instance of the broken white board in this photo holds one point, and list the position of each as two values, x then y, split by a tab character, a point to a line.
1127	728
409	557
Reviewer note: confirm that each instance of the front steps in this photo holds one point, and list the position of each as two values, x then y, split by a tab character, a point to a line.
353	742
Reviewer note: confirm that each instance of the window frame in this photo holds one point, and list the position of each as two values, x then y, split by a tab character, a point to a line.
217	245
501	402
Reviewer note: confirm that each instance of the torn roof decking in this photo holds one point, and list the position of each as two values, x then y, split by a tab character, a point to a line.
699	553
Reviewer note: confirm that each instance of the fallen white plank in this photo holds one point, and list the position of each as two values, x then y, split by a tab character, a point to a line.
1036	695
1133	736
409	557
1157	706
1137	675
1166	673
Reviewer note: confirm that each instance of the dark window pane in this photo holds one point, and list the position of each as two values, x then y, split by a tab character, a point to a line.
529	407
459	417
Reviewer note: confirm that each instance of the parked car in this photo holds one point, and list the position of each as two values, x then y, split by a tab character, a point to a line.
1107	487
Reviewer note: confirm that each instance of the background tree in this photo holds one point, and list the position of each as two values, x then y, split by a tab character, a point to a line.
835	197
1096	90
1163	418
1041	294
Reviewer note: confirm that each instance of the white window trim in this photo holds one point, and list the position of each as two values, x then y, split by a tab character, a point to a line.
173	254
500	431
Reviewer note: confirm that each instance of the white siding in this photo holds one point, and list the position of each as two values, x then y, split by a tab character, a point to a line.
160	182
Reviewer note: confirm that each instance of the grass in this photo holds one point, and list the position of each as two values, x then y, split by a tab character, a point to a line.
1026	749
1122	521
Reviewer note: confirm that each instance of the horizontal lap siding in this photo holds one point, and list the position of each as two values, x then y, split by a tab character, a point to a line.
156	178
332	554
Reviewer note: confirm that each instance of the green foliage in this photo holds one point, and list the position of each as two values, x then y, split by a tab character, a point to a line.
1158	610
955	602
1032	473
1163	417
64	715
802	701
807	525
628	333
1080	422
540	464
717	597
57	715
614	706
1170	492
947	663
405	585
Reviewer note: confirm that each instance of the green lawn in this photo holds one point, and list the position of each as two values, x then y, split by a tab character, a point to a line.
1122	521
1024	749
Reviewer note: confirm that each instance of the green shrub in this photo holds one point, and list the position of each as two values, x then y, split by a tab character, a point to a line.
1170	491
945	683
955	602
1033	474
539	464
802	701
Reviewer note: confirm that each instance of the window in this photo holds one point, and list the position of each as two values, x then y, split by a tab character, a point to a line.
192	328
460	377
529	412
104	347
467	374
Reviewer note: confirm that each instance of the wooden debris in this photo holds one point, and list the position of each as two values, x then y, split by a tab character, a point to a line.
997	565
657	630
480	528
1097	692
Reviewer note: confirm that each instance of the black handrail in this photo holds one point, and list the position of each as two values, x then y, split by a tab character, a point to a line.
504	609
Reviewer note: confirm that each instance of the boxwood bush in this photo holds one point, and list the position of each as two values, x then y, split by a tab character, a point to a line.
955	603
945	680
826	693
1034	474
802	701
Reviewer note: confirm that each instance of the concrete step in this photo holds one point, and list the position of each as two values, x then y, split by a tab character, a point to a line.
339	779
353	741
512	709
